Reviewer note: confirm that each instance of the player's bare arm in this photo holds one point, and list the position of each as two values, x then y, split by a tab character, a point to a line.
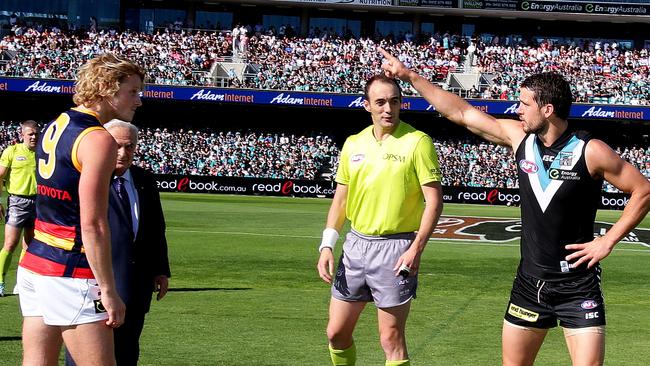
505	132
97	154
335	220
433	208
603	162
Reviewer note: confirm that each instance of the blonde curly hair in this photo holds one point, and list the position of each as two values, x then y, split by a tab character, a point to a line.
101	77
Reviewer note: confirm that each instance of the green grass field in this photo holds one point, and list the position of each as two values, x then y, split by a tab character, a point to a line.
245	291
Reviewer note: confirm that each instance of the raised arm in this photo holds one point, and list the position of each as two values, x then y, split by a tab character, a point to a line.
505	132
603	162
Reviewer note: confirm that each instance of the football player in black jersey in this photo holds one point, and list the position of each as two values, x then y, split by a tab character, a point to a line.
560	176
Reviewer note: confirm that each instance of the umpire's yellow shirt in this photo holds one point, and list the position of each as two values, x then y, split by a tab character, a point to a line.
20	162
384	179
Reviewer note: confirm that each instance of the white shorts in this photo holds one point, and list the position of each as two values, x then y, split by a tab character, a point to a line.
61	301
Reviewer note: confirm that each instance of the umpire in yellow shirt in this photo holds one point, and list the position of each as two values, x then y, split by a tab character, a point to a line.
18	168
389	188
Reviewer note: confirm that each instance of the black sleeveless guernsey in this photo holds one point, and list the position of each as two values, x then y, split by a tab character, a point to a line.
559	199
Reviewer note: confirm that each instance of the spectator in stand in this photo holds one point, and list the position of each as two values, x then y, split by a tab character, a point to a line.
13	20
92	26
243	41
235	39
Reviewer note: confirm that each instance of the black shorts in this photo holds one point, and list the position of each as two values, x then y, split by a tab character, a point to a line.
577	303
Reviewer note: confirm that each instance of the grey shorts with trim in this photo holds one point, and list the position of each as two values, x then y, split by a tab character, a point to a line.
365	271
21	211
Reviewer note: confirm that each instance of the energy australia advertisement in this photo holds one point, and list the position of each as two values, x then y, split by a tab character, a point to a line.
557	6
586	7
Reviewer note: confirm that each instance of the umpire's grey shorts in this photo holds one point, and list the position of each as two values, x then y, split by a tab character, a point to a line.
365	271
21	211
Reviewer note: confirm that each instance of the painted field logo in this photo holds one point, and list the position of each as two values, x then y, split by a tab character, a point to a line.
528	166
484	229
588	304
500	230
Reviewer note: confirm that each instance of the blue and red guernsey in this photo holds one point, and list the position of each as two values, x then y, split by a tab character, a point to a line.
57	248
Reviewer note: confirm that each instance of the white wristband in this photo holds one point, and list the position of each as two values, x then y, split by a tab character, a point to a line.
330	236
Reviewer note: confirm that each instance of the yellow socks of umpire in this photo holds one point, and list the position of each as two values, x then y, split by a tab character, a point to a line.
5	261
344	357
398	363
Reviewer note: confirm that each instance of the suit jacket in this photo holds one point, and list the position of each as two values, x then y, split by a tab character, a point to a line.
136	261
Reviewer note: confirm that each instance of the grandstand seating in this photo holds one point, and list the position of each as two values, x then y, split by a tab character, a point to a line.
332	63
468	162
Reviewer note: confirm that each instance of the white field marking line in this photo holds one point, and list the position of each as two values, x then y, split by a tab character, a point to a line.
243	233
318	237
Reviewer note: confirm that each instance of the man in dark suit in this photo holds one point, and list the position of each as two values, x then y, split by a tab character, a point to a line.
138	242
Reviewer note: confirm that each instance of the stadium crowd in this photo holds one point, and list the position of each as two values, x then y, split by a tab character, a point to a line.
340	65
168	57
327	61
639	156
475	163
235	154
464	161
327	64
599	72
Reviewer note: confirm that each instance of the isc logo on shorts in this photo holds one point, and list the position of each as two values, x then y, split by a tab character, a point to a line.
522	313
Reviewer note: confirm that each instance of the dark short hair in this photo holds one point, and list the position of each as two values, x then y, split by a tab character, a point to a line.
551	88
382	79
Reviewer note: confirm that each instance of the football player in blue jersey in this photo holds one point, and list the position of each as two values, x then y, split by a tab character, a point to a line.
65	280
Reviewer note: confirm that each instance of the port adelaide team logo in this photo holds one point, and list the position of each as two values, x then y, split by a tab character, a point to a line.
500	230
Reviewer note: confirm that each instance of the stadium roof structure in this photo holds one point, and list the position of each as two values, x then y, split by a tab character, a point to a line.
610	11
